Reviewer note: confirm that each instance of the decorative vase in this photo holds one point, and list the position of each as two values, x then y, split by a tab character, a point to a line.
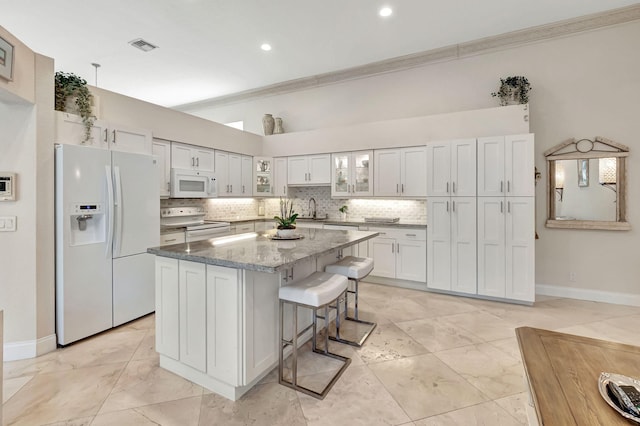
278	126
268	124
286	233
344	217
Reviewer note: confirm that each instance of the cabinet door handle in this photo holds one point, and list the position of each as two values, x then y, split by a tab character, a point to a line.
227	189
447	206
501	207
309	176
198	161
410	235
447	187
453	185
402	187
397	186
243	189
508	186
508	206
398	251
393	248
193	161
168	186
231	188
501	186
453	206
168	241
114	136
106	135
284	189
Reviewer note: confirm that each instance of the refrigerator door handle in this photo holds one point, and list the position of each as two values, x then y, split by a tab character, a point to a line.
117	239
107	252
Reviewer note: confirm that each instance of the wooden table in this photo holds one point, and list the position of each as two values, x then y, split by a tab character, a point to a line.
563	371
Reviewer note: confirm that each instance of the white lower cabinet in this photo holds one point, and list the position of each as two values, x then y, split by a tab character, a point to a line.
399	253
193	310
219	321
451	244
223	319
167	309
506	257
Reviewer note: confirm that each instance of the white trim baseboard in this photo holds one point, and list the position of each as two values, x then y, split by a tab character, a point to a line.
587	294
25	349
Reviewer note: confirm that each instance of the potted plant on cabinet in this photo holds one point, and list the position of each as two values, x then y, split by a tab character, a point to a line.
72	95
287	219
513	90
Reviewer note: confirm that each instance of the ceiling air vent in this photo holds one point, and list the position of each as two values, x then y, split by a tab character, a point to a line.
143	45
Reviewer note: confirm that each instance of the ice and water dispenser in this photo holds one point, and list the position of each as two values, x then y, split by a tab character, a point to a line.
87	224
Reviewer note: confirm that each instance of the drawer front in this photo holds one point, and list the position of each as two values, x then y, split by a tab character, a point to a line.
245	227
398	233
172	238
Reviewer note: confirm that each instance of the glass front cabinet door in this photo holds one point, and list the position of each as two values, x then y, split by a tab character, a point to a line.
263	177
352	173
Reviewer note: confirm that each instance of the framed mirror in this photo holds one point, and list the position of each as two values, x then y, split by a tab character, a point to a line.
587	185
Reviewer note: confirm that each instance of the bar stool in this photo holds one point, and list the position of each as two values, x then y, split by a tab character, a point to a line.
317	291
355	269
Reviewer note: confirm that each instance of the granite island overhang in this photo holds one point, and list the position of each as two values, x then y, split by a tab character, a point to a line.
260	252
217	302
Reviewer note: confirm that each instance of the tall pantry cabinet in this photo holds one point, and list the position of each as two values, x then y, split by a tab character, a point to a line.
480	200
506	223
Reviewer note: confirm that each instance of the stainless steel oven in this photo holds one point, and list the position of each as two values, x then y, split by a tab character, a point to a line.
191	219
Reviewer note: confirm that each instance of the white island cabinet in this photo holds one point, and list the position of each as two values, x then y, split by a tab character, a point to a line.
217	325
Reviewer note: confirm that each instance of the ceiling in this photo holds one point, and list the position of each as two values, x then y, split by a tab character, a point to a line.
211	48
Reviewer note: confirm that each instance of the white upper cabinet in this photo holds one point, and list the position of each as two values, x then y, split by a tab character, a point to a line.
451	168
162	151
246	187
232	173
106	135
352	174
280	179
506	166
309	170
185	156
263	176
400	172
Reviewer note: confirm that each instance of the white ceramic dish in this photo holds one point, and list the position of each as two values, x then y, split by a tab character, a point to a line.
292	237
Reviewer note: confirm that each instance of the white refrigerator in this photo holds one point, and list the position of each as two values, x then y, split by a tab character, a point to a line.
107	215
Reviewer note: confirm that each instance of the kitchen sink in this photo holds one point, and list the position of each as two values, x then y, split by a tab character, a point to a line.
317	218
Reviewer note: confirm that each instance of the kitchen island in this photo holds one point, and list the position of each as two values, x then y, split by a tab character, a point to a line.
217	302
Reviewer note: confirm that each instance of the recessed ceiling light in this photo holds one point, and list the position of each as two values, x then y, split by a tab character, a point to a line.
266	47
385	11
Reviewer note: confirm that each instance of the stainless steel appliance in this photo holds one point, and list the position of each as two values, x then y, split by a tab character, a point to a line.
193	221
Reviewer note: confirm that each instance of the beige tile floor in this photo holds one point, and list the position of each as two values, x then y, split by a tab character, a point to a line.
432	360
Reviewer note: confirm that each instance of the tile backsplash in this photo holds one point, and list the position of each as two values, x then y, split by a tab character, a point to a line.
221	208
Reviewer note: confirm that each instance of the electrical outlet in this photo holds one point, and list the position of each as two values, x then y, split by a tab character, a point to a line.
572	277
8	224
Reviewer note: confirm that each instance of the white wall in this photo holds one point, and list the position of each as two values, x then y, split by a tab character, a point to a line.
584	85
27	255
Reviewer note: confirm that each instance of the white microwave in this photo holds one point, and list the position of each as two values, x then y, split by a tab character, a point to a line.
187	183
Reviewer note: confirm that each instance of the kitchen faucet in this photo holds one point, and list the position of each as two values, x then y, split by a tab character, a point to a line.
312	213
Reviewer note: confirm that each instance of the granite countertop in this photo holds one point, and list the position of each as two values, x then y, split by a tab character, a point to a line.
259	252
329	221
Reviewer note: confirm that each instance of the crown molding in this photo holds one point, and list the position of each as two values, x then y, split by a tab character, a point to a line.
484	45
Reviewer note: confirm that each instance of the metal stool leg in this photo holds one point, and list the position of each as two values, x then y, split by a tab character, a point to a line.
355	318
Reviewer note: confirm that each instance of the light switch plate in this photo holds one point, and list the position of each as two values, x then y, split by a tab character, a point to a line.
8	223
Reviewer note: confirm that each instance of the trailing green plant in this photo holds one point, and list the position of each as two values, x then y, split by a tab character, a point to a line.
287	218
343	209
514	87
69	84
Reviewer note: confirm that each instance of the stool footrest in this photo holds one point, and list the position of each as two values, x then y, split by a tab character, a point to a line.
346	361
357	343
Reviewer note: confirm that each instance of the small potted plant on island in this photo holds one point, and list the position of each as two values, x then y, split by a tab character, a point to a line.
513	90
343	210
287	219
